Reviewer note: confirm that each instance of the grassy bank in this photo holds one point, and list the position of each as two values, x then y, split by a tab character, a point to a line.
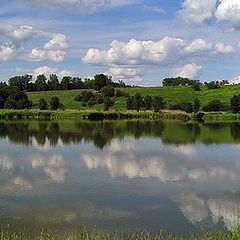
172	95
91	115
83	234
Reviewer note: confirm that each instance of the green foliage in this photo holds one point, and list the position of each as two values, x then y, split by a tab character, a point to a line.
43	105
196	105
120	93
108	91
215	106
213	85
148	102
184	106
100	81
86	96
41	83
12	98
235	103
83	233
54	103
108	102
197	87
158	103
179	81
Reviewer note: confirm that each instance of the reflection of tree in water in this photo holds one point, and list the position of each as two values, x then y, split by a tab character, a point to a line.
235	131
101	133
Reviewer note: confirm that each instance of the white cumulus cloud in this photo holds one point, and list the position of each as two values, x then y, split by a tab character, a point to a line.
191	70
229	10
196	12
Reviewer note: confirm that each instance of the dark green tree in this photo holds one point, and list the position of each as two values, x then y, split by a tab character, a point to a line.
148	101
108	102
108	91
158	103
54	103
100	81
66	83
138	102
129	103
196	105
41	83
43	105
235	103
53	82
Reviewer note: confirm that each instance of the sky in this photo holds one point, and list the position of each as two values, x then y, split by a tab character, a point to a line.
139	42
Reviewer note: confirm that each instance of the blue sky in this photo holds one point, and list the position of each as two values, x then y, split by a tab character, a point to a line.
137	41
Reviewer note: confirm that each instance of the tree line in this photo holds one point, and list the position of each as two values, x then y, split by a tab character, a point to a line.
42	83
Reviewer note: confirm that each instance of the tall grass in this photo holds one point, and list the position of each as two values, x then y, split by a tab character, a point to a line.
94	234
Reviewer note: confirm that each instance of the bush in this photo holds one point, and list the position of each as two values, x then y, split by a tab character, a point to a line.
197	87
108	91
43	105
196	105
185	106
120	93
213	85
158	103
78	98
54	103
86	96
235	103
108	102
215	106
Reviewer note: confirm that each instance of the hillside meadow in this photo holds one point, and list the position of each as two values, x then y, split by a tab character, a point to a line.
172	95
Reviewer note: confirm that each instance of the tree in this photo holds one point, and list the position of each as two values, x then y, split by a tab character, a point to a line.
66	83
138	102
158	103
43	105
197	87
54	103
86	96
196	105
108	91
53	82
215	106
235	103
16	99
148	101
21	82
129	103
100	81
108	102
41	84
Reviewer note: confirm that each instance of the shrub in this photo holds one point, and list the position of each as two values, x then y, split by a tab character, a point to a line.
43	105
108	102
158	103
235	103
78	98
213	85
54	103
86	96
108	91
120	93
196	105
185	106
215	106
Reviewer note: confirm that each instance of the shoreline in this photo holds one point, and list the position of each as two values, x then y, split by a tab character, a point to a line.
166	115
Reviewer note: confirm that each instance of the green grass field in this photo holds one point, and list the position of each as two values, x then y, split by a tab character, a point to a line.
172	95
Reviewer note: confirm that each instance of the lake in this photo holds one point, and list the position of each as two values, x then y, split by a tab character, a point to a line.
121	175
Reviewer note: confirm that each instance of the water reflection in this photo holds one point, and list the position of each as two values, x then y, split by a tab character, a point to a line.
121	175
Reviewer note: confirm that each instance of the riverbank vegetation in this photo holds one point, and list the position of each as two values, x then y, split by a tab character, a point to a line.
101	94
93	234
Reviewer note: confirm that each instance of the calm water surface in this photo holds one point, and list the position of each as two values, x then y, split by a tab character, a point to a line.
124	176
